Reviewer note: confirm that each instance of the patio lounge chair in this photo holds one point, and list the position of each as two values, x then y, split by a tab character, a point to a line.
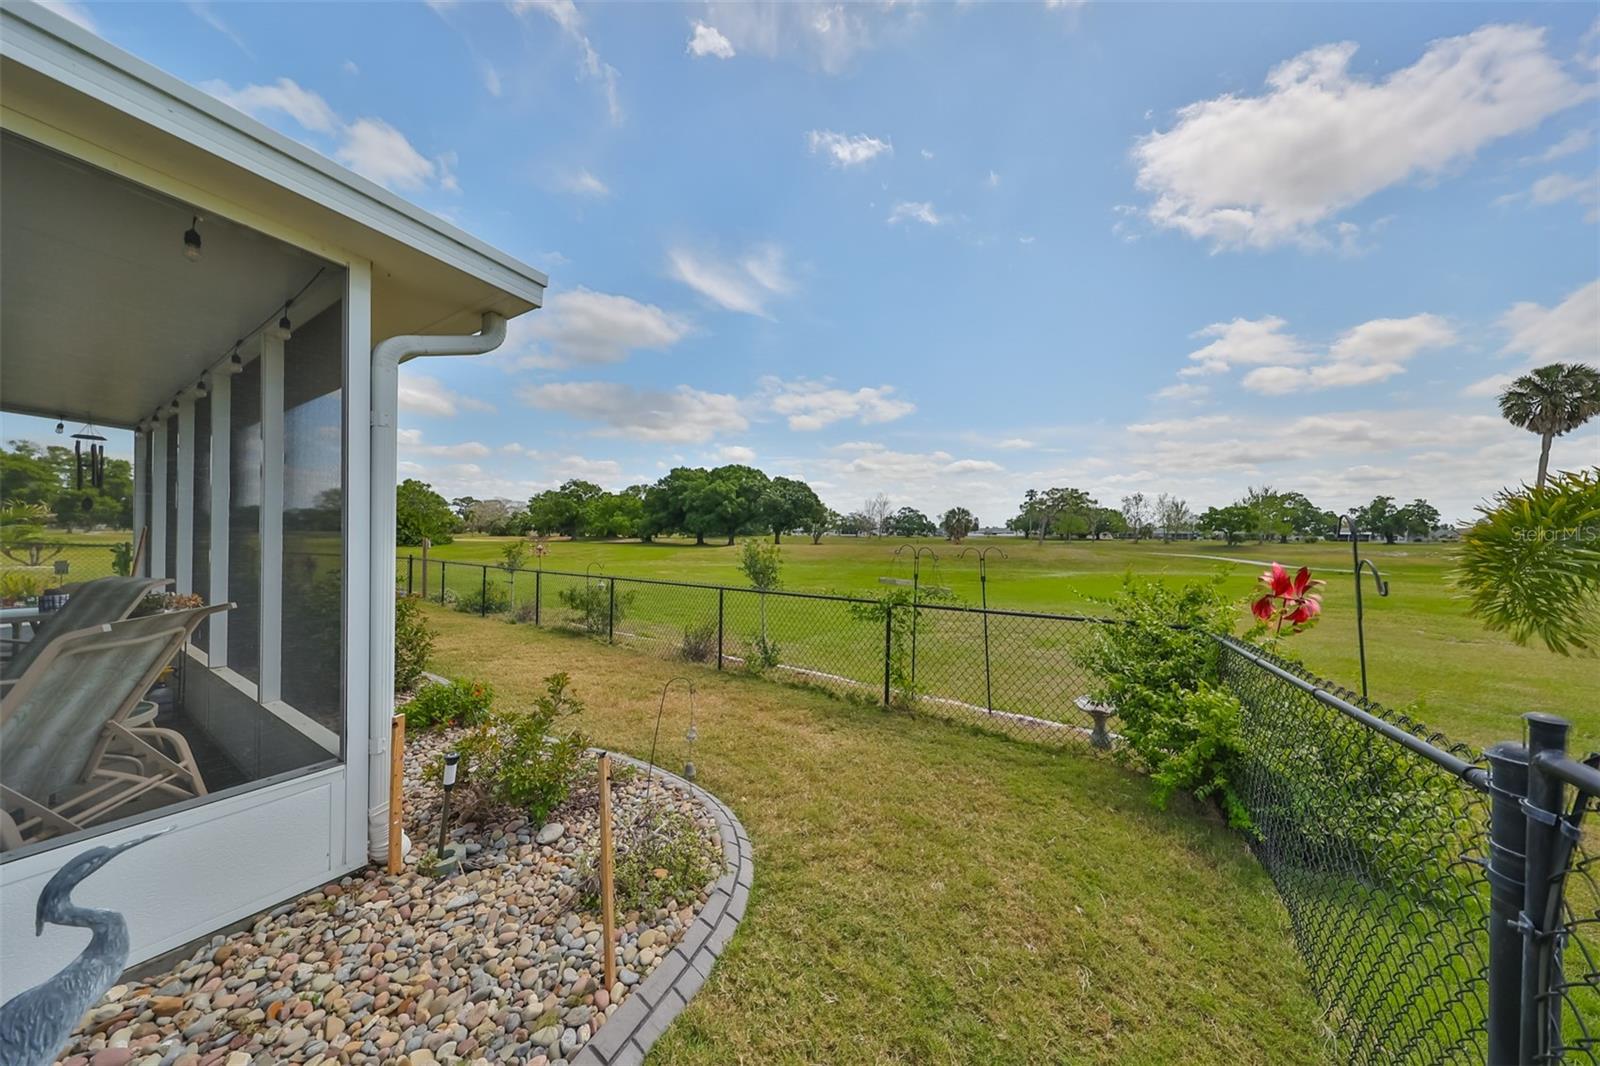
98	602
69	757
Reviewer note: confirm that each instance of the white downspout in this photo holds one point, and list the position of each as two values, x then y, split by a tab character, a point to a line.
387	356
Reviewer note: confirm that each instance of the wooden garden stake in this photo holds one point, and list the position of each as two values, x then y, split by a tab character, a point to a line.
138	552
608	918
397	779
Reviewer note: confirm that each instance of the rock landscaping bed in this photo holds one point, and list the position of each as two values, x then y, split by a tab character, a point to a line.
499	963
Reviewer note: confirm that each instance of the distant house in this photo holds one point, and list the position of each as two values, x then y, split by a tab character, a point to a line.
153	237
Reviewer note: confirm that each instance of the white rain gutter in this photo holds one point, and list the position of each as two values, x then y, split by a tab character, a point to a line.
387	356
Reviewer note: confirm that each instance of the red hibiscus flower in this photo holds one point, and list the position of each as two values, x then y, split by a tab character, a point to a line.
1287	599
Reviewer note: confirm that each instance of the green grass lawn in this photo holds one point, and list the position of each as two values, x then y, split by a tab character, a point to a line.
928	894
1421	645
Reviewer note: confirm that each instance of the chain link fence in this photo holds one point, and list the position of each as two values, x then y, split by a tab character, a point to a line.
1019	673
1444	899
27	569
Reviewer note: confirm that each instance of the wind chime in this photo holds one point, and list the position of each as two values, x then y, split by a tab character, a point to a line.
95	457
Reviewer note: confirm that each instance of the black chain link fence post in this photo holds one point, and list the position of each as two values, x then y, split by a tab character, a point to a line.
611	613
1508	835
888	651
538	591
721	593
1541	962
483	593
411	566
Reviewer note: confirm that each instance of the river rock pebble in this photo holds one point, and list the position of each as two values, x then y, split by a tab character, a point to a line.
500	962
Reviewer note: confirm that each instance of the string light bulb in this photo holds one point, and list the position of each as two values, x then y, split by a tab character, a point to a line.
191	240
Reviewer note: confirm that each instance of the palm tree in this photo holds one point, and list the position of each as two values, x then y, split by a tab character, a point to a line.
1550	401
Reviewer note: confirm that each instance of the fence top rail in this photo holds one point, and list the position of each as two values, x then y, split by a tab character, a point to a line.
832	596
1473	775
1563	767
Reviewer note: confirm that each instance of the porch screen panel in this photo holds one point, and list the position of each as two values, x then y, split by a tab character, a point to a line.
244	523
313	518
143	458
201	577
172	498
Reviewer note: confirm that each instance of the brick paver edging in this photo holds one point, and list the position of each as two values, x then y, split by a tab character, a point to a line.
660	997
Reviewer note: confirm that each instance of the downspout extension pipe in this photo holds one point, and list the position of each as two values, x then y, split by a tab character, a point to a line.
387	355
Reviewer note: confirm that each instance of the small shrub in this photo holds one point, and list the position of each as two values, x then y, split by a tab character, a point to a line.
517	759
488	599
763	654
1159	669
122	559
524	612
20	585
451	703
593	603
413	643
662	839
699	641
157	602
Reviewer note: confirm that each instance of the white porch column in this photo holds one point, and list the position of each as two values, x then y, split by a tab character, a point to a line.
158	499
359	633
185	530
141	479
221	484
271	519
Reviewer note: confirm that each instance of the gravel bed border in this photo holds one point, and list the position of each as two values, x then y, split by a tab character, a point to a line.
662	996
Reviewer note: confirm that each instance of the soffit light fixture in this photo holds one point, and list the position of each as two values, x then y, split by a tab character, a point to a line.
191	240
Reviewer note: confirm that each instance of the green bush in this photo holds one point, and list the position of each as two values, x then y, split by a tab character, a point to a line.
413	643
450	703
593	603
486	599
1159	668
700	641
517	759
665	840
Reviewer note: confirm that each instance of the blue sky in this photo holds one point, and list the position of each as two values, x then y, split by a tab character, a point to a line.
950	252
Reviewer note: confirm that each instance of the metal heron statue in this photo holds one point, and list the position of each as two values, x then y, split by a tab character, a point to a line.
37	1023
1356	563
983	594
917	552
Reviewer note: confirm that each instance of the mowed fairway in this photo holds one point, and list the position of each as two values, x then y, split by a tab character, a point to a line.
1421	645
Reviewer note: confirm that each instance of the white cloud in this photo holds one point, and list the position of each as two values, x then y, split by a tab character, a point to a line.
826	35
1574	142
1493	385
1568	331
735	453
411	446
204	13
565	14
927	154
917	212
374	149
369	146
579	326
745	286
491	80
709	41
1246	342
845	150
349	67
683	415
1267	170
73	12
1371	352
307	108
993	180
1016	444
585	184
429	396
811	405
1183	390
